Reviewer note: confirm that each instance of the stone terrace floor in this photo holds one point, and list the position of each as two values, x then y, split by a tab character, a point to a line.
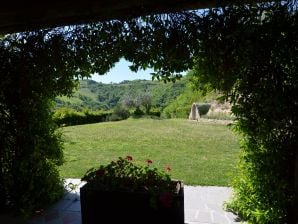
203	205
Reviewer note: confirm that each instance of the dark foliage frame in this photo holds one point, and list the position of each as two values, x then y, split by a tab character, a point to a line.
249	51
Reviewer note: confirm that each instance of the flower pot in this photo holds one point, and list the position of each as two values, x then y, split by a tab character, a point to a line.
109	207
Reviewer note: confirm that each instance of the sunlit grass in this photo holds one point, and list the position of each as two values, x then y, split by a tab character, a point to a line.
198	153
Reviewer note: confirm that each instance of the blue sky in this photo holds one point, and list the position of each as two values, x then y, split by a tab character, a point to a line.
122	72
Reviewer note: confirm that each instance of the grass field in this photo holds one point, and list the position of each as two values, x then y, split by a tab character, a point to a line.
198	153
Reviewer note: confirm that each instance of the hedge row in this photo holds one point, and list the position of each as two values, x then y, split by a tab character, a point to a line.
68	117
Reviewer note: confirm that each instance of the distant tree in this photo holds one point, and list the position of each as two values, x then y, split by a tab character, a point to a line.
145	100
119	113
129	102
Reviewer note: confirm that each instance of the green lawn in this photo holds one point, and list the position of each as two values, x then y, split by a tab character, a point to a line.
198	153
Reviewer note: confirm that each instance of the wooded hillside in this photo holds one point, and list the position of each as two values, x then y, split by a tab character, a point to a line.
94	95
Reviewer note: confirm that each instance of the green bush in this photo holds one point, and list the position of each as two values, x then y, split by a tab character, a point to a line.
138	112
255	62
67	117
33	147
177	112
182	112
155	112
181	106
119	113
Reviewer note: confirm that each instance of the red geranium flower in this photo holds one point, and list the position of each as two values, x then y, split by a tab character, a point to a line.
168	168
129	158
149	162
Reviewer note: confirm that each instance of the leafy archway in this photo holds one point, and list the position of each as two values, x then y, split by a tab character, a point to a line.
248	51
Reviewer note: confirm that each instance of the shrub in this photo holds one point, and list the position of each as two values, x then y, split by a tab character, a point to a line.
34	150
67	117
119	113
177	112
155	112
182	112
255	63
138	112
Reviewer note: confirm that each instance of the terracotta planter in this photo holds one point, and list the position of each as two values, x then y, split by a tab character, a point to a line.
109	207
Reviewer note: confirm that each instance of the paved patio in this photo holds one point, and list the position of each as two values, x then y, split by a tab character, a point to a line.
203	205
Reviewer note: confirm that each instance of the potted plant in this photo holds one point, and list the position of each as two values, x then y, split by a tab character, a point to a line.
122	192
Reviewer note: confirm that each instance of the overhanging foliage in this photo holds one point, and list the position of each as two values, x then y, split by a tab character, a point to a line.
248	51
251	54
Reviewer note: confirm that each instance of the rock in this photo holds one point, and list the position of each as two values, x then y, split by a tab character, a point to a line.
194	113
